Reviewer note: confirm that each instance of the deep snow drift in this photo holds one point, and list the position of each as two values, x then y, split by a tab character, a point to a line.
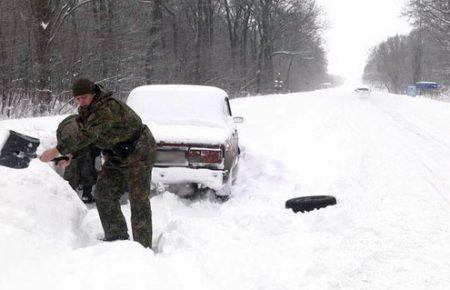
385	158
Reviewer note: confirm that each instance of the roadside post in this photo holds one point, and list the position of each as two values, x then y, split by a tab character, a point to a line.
411	91
278	84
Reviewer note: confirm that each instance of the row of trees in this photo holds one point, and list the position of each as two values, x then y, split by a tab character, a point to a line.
423	55
238	45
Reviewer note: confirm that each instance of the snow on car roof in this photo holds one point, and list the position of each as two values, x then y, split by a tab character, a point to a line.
179	104
426	83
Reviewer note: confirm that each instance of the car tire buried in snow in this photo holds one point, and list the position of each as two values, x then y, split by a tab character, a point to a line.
309	203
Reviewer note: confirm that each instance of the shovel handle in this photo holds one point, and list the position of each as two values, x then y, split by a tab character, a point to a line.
60	158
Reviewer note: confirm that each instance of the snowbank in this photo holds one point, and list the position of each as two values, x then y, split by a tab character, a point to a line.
43	128
384	158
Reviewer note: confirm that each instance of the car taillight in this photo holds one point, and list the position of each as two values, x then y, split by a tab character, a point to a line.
204	155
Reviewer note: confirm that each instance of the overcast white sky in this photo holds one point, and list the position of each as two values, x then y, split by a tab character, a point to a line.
355	26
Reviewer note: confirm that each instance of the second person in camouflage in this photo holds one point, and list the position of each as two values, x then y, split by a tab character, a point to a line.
81	172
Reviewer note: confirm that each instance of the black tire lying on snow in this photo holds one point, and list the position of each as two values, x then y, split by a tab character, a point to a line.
309	203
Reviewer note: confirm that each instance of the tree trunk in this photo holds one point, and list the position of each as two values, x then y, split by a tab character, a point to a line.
42	11
266	46
106	45
154	39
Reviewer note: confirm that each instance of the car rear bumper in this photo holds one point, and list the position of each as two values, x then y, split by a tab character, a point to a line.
213	179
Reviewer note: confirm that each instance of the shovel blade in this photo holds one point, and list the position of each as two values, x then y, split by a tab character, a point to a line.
18	150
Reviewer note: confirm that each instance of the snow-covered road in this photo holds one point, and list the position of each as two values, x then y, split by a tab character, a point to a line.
385	158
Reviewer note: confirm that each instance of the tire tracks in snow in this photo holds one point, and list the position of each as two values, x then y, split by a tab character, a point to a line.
410	125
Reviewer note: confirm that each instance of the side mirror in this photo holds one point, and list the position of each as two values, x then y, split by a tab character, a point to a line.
238	120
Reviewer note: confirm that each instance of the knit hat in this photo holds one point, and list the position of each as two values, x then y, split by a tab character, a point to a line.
82	87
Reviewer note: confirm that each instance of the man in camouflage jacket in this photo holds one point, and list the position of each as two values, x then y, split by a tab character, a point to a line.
128	148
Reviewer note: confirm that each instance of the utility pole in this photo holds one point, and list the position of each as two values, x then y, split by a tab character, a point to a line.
418	49
304	55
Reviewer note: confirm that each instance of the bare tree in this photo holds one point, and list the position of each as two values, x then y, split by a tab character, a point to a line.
48	16
431	18
388	64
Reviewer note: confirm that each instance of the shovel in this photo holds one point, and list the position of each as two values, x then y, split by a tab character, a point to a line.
20	149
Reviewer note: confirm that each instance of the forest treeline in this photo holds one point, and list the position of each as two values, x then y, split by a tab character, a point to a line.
422	55
241	46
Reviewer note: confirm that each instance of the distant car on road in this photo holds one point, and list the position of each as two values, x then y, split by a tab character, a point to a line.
197	137
427	88
362	92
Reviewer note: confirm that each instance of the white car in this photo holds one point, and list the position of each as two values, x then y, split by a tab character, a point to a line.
197	137
363	91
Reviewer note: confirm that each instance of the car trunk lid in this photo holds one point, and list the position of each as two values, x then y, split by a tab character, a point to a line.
188	134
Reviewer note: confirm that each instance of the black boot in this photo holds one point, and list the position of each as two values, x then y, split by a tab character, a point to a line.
87	195
122	237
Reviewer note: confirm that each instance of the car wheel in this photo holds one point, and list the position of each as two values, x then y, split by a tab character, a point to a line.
234	174
222	198
309	203
184	190
213	195
225	190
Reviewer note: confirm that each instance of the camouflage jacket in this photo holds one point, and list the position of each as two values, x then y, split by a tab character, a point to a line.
107	122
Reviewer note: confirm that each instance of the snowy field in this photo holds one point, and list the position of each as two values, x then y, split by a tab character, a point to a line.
385	158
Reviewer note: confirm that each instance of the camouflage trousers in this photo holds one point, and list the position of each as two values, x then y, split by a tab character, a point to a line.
111	185
81	170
